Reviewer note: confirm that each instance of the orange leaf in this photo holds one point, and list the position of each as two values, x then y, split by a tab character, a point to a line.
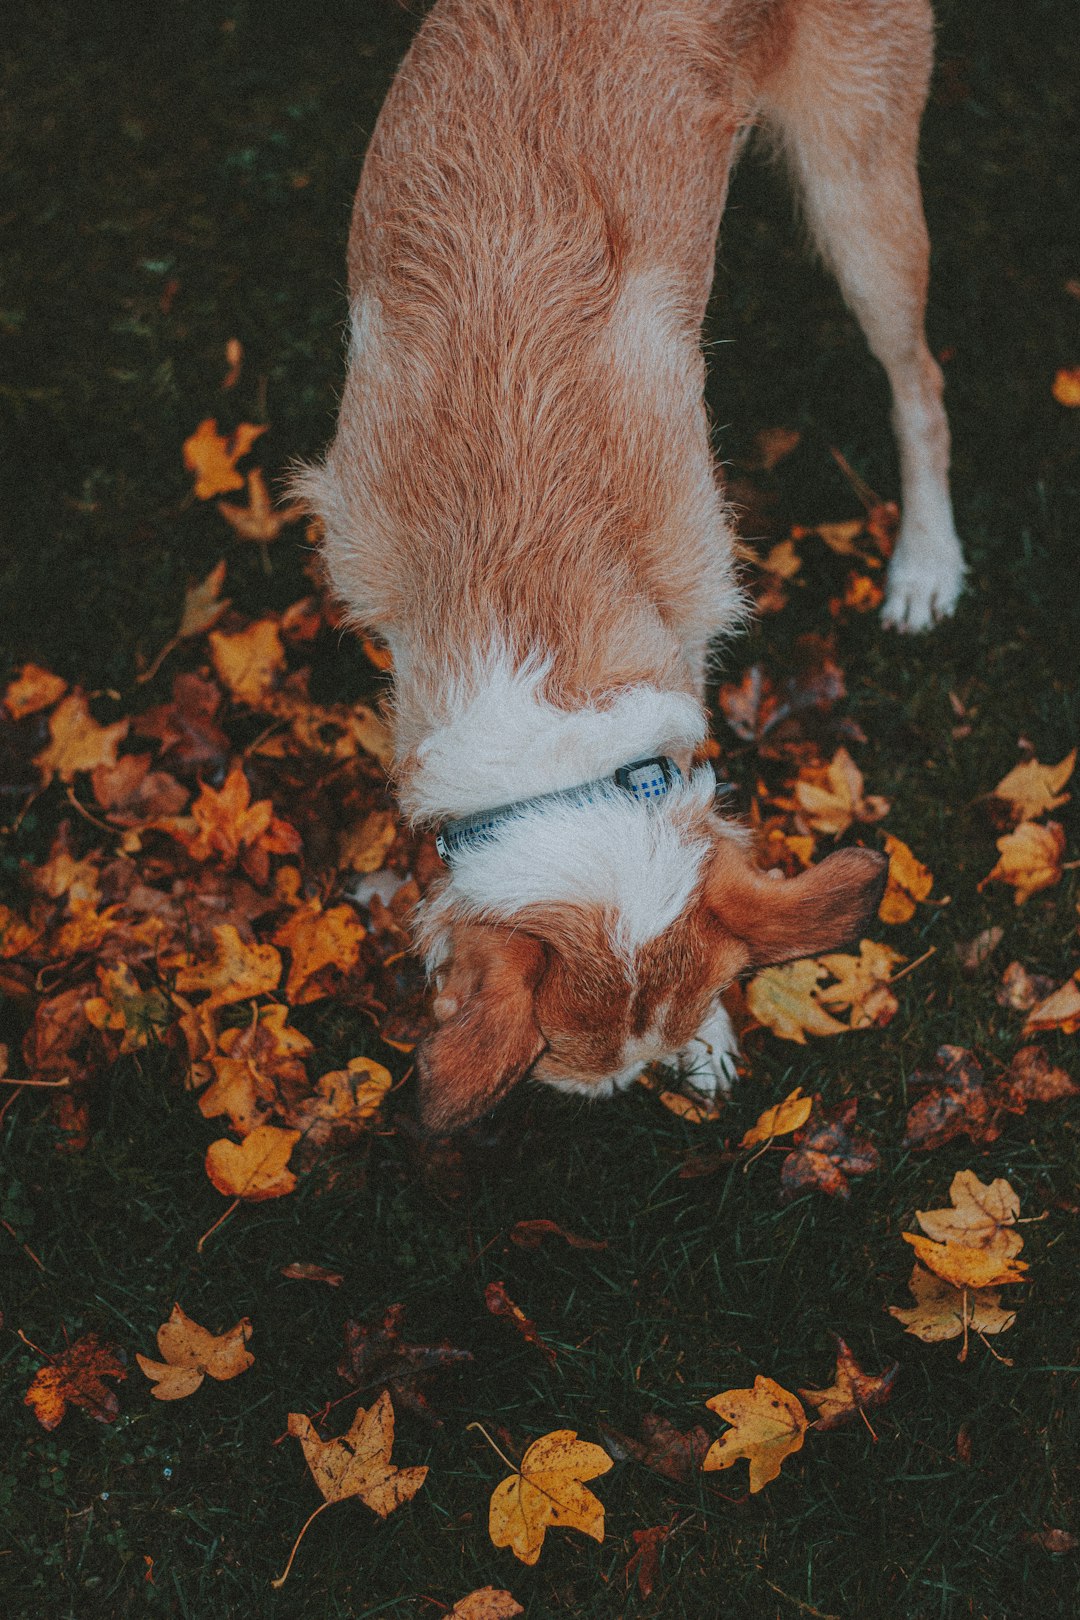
78	742
909	881
768	1425
547	1490
318	940
189	1352
966	1265
250	661
1060	1010
830	797
213	458
74	1378
1031	790
851	1391
259	520
234	972
780	1119
254	1169
943	1312
32	689
1029	859
357	1463
1066	386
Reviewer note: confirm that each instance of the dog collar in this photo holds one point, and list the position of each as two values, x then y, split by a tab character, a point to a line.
645	780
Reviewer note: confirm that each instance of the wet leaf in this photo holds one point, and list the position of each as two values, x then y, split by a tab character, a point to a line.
549	1490
138	1016
851	1392
343	1104
768	1425
189	1352
1021	990
76	1378
530	1235
668	1451
826	1151
1031	1077
959	1102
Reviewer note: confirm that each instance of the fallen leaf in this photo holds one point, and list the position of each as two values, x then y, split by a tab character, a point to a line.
862	984
768	1425
966	1265
1031	1077
851	1392
1021	990
785	1000
530	1235
189	1352
774	444
378	1354
486	1603
1055	1542
259	520
249	662
781	1118
186	728
830	797
500	1304
78	743
826	1151
318	940
139	1016
255	1168
1066	385
32	690
212	458
1031	790
752	706
133	795
909	881
365	848
357	1463
17	936
983	1216
692	1106
75	1378
225	825
548	1489
645	1561
959	1103
668	1451
841	537
308	1271
1060	1010
234	360
203	605
941	1311
974	952
861	594
235	971
1029	859
343	1103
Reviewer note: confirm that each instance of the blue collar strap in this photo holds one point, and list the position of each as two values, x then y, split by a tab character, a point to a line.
645	780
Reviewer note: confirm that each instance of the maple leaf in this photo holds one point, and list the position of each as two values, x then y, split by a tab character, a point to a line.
259	520
692	1106
826	1151
1020	989
190	1352
530	1234
1031	790
256	1069
343	1103
983	1216
645	1561
185	727
255	1168
943	1312
751	707
548	1489
486	1603
1029	859
212	458
1066	385
234	972
768	1425
973	953
75	1378
249	662
966	1265
862	984
668	1451
32	690
203	605
908	882
961	1106
379	1355
309	1271
830	797
140	1016
785	1000
78	742
861	594
500	1304
851	1392
318	940
224	823
17	936
339	730
1031	1077
365	848
1060	1010
781	1118
357	1463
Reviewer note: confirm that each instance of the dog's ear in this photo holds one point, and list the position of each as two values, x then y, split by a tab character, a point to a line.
778	919
488	1037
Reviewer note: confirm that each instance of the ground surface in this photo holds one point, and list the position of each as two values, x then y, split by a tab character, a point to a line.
216	146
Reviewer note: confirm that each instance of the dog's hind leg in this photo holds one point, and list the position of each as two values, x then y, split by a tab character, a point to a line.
846	104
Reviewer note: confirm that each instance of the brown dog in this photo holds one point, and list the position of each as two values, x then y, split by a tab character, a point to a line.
521	496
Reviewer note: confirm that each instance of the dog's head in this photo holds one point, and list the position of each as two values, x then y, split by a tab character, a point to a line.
601	968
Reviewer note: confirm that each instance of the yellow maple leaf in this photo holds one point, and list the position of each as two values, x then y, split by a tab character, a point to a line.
983	1216
32	690
692	1106
260	519
255	1168
317	940
339	730
249	661
862	983
548	1489
346	1097
964	1264
909	881
203	605
830	797
486	1603
785	1000
943	1312
781	1118
1029	859
365	848
768	1425
212	457
1060	1010
189	1352
1031	789
1066	385
78	742
234	972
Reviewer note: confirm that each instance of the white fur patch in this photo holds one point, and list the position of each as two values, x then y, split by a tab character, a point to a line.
639	862
502	741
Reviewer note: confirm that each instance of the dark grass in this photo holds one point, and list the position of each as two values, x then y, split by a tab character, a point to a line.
142	146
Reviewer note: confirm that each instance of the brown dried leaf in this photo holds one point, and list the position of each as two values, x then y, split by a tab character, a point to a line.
75	1378
851	1392
377	1354
826	1151
500	1304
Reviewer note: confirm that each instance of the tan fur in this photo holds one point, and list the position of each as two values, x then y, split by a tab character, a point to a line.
522	458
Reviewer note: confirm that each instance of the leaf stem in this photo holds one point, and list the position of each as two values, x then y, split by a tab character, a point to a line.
283	1577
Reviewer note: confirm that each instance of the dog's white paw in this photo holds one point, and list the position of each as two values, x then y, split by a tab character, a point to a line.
924	584
708	1061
